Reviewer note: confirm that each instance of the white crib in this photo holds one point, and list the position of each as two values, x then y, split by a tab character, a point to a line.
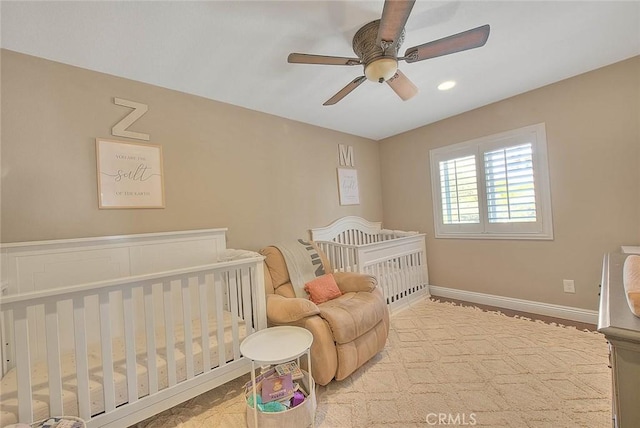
117	329
397	258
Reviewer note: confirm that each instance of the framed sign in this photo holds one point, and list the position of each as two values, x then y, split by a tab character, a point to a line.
129	175
348	186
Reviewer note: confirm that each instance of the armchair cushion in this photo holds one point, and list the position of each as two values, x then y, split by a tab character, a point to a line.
353	314
283	310
322	289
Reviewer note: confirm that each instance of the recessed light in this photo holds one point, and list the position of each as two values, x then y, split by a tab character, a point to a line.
445	86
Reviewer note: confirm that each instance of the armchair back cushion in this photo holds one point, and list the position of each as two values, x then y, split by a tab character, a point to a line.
280	283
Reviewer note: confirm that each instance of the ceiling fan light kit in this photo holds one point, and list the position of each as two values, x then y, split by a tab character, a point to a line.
377	44
381	69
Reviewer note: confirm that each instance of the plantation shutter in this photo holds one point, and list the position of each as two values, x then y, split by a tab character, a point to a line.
459	190
510	187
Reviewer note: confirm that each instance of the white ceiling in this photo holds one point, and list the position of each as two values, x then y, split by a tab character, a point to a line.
236	51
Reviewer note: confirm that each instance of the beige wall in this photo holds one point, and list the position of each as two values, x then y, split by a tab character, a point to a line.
593	139
263	177
268	178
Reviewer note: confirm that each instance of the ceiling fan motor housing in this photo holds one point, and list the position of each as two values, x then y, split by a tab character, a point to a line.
379	66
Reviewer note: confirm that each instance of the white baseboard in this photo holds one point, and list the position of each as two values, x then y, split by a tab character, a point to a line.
547	309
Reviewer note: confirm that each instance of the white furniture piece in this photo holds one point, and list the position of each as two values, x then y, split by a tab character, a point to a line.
276	345
116	329
397	258
622	330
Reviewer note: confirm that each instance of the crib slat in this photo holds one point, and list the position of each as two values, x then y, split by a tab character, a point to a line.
169	330
53	358
346	259
393	277
23	371
344	255
424	273
107	353
334	259
186	321
388	280
6	337
245	288
130	345
388	264
82	365
404	275
248	315
234	291
220	280
387	283
256	275
414	271
410	285
204	324
354	252
378	274
397	274
150	327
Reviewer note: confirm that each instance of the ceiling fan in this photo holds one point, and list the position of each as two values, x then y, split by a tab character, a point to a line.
377	44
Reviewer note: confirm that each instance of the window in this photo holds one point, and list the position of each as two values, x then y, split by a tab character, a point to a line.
493	187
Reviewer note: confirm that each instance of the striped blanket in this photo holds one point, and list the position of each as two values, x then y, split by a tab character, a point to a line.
303	263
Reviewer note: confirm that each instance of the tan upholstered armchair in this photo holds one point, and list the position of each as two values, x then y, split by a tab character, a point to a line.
347	331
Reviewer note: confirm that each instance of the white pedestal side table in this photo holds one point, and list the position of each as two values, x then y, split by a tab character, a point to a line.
276	345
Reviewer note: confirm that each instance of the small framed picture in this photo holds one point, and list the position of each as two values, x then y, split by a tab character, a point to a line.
129	175
348	186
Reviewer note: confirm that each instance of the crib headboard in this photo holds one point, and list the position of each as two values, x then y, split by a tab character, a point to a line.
350	230
42	265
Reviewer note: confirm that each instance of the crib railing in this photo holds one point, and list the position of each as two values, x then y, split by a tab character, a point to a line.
47	325
402	276
342	257
397	259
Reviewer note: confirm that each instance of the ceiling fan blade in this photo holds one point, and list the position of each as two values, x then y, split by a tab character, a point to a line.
345	91
299	58
469	39
402	86
394	16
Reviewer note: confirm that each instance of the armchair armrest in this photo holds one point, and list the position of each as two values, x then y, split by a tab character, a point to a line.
352	282
285	310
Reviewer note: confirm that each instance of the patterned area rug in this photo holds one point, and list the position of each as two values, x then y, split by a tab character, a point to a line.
448	365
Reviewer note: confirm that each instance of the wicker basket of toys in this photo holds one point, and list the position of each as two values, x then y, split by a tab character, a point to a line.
283	404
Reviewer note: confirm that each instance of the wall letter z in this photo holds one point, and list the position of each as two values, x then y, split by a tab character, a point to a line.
120	128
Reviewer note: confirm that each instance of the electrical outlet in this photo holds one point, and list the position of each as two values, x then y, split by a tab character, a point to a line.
569	286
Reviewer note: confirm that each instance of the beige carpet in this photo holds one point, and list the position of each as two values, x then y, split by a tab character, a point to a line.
447	365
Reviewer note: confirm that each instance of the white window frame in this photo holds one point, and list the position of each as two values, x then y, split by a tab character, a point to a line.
540	229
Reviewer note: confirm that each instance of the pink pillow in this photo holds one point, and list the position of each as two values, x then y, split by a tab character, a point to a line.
322	289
